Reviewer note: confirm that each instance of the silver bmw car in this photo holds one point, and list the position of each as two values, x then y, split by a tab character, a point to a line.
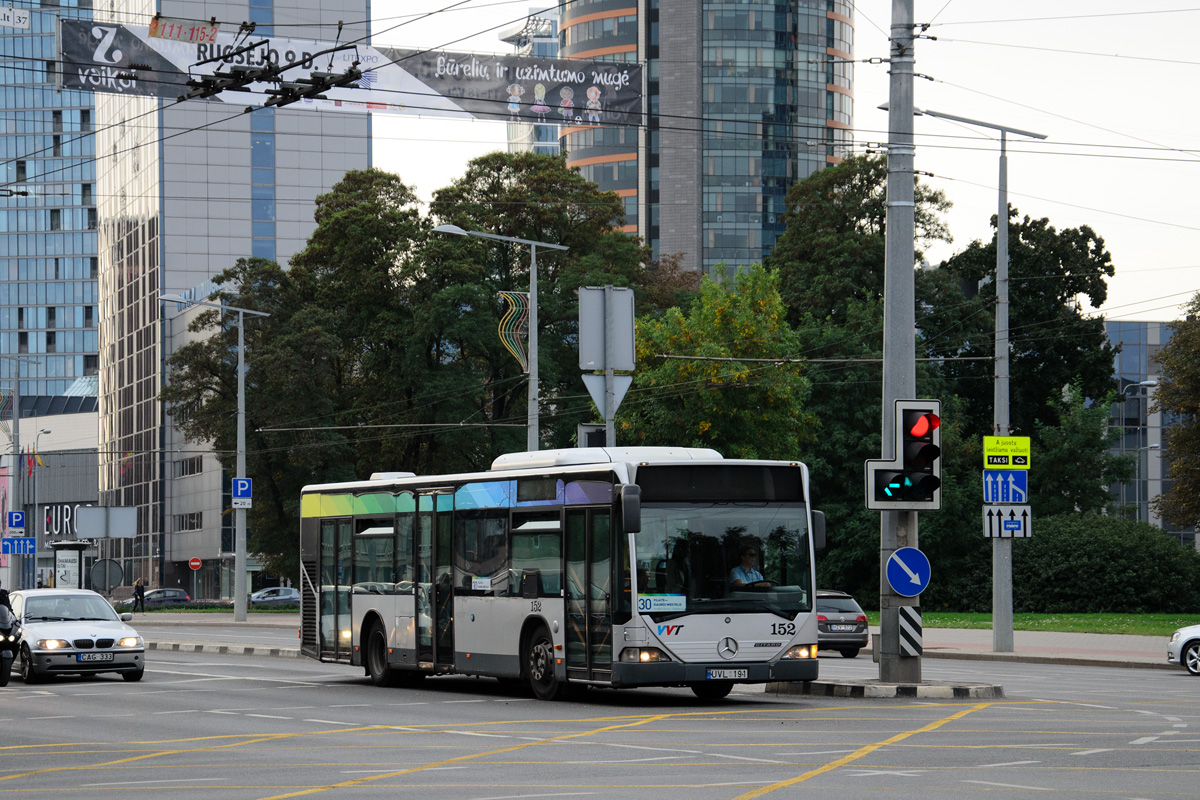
73	632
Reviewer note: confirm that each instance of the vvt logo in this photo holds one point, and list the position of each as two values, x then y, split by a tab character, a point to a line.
106	37
669	630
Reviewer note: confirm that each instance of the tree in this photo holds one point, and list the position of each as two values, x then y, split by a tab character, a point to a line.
741	409
833	249
1053	344
534	197
1178	395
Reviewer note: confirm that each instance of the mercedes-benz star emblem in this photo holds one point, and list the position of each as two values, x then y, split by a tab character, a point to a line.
728	647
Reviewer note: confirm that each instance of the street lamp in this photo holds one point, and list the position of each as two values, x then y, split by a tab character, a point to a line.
27	575
531	441
239	514
1002	623
36	516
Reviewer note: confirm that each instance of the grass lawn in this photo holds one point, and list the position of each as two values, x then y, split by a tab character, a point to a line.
1140	624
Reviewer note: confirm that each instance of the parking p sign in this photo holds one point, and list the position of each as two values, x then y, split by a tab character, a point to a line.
241	493
16	519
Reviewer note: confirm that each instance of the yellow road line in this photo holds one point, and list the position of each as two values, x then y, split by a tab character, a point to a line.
456	759
857	754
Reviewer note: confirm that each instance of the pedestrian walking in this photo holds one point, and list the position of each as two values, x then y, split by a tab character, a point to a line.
139	595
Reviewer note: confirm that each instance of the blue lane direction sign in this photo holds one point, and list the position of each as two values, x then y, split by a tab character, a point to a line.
18	546
908	572
242	490
1006	486
16	519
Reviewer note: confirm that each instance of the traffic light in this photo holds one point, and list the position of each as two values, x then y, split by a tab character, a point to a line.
920	450
911	480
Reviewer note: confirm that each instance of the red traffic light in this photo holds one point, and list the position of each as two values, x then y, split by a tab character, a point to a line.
925	425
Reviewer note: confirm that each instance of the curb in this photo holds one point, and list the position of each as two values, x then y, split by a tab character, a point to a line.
875	689
1027	658
225	649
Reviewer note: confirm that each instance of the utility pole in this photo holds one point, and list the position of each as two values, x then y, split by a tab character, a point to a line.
898	528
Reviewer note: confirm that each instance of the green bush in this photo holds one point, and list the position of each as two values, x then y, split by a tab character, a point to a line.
1094	564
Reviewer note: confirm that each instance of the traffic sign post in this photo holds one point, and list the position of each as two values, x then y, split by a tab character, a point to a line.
908	572
242	491
18	545
1006	486
1006	522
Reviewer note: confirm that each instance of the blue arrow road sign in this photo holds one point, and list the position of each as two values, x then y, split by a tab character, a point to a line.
1006	486
908	571
18	545
16	519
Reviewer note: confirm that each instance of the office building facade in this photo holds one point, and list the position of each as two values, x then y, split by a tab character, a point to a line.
743	100
1141	427
187	189
48	207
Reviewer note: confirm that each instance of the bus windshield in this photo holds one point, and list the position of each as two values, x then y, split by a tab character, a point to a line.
722	558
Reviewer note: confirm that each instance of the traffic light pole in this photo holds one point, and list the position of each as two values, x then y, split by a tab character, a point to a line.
898	528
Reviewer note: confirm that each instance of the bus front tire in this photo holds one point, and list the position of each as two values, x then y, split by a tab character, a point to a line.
539	666
377	658
712	690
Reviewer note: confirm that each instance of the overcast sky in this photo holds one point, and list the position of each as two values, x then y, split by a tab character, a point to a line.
1101	79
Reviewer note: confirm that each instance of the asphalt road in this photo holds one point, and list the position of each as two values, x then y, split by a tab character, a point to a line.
252	727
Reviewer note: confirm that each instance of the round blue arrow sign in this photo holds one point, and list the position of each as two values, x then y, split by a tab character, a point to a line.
908	571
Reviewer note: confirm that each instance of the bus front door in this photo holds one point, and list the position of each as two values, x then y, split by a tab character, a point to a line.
589	594
435	592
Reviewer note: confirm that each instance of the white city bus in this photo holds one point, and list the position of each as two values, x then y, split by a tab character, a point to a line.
614	567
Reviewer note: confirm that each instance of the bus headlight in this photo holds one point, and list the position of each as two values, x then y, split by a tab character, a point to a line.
643	655
801	651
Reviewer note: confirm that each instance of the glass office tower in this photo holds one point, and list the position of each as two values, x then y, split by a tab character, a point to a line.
744	99
48	264
188	189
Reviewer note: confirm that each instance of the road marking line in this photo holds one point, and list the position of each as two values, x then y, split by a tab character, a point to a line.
1145	740
476	733
1012	786
745	758
1010	764
470	757
68	716
139	783
552	794
817	753
862	752
330	722
268	716
1091	752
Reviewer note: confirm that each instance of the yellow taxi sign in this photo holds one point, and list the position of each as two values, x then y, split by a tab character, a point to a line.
1006	452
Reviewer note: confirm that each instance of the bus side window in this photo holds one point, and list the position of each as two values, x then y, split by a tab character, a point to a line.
541	554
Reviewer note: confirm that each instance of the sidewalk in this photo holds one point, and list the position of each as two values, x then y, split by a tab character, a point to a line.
275	634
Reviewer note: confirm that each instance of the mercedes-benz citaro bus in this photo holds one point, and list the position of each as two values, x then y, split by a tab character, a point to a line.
616	567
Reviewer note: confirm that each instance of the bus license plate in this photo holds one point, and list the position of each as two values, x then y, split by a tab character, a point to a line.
841	628
728	674
94	657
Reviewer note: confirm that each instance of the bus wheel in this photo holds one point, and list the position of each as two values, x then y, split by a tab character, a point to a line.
539	666
712	690
377	658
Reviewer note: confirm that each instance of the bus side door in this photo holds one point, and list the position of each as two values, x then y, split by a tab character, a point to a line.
589	584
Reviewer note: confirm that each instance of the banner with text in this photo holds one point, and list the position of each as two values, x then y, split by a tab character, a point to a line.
125	59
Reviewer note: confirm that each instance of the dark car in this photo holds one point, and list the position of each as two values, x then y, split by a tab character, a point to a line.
841	623
158	597
276	596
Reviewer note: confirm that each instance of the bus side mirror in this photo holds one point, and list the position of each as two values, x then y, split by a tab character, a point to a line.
631	508
818	531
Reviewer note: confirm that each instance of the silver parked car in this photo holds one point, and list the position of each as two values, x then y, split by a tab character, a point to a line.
1184	648
276	596
74	631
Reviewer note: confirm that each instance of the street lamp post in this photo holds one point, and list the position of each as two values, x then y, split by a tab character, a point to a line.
531	441
1137	491
1002	621
19	498
239	514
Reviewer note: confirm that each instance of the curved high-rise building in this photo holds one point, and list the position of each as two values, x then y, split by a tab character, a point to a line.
743	100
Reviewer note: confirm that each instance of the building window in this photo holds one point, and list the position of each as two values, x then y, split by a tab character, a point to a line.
91	365
189	522
85	116
51	342
51	317
22	175
189	466
22	342
89	316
